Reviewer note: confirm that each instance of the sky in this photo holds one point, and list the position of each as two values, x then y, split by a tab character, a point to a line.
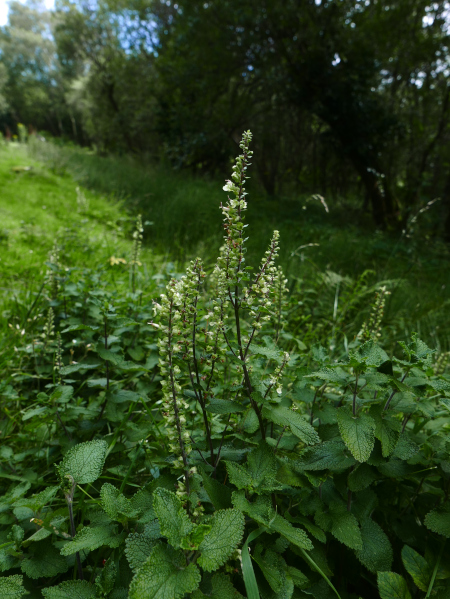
4	9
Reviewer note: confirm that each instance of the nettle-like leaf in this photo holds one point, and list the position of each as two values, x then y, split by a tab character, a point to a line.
11	587
392	586
439	521
44	562
37	501
358	433
138	546
221	588
71	589
84	462
417	567
220	495
164	574
227	528
386	429
376	553
362	477
342	524
294	421
173	519
329	455
92	538
105	581
275	571
259	474
115	504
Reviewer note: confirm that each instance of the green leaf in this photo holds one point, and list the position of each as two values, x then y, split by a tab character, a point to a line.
329	455
219	494
357	433
329	375
11	587
297	536
439	521
392	586
93	538
138	546
386	429
239	476
227	528
361	477
105	581
417	567
173	519
116	505
376	553
275	571
295	421
164	576
65	370
260	474
405	448
248	574
84	462
70	589
372	354
343	525
224	406
62	394
45	561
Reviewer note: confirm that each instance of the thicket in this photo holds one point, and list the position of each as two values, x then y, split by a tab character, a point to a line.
194	438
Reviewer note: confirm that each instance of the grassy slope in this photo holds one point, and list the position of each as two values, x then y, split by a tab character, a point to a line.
187	221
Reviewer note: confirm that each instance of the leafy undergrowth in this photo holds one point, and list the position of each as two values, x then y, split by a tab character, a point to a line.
203	443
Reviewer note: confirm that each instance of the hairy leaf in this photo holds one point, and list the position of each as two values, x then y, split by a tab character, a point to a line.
46	561
116	505
275	571
11	587
138	546
361	477
439	521
331	455
164	575
376	553
219	494
392	586
93	538
357	433
227	528
84	462
173	519
295	421
417	567
71	589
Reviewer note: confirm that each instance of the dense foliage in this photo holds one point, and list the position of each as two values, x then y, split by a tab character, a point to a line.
193	446
343	97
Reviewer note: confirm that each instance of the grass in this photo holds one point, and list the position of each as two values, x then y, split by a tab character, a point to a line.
184	210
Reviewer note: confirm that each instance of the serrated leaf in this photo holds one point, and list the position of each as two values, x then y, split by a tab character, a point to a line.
173	519
275	571
44	562
357	432
238	475
294	535
417	567
227	528
392	586
138	546
164	576
295	421
376	553
373	355
345	528
11	587
70	589
219	494
329	455
405	448
65	370
361	477
327	374
62	394
439	521
93	538
84	462
223	406
105	581
115	504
